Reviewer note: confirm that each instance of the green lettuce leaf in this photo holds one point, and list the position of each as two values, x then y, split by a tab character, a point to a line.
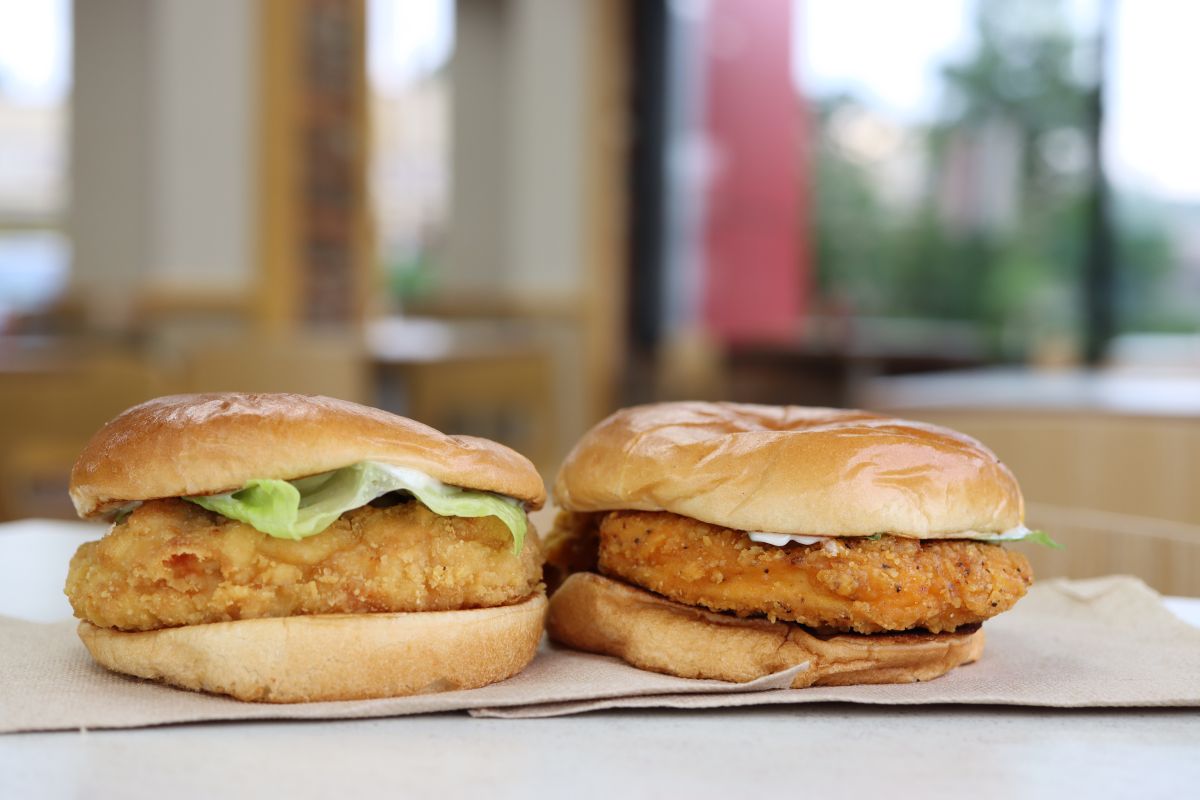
1018	534
1037	537
1042	538
305	507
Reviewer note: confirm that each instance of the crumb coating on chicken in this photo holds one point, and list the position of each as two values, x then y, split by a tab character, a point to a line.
173	563
842	584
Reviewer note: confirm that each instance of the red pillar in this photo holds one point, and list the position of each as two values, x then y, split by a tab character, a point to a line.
755	231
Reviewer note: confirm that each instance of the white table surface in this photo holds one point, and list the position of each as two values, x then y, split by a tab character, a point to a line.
825	750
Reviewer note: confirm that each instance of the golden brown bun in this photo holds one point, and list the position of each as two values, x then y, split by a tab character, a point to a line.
331	657
593	613
192	444
788	469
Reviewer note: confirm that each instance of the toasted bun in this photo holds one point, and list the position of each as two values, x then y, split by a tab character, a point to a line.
193	444
593	613
787	469
331	657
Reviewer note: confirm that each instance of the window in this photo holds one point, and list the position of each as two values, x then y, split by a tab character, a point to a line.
409	46
953	168
34	115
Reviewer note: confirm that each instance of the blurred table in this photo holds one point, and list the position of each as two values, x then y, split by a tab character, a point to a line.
494	379
821	750
1127	392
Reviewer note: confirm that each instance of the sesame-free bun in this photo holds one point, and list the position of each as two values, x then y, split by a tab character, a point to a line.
193	444
596	614
331	657
789	469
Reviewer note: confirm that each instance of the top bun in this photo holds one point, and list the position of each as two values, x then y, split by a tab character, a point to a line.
193	444
789	469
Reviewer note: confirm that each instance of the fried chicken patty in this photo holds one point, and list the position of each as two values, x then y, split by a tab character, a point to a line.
861	585
173	563
573	545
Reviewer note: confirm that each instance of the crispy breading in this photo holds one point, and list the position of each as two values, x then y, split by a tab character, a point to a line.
571	546
173	563
861	585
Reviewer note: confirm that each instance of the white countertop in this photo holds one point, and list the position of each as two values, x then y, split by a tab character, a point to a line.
826	750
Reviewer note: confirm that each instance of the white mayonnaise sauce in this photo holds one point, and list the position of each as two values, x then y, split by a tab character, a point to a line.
780	539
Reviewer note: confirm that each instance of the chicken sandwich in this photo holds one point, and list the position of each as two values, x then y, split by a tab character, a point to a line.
288	548
731	541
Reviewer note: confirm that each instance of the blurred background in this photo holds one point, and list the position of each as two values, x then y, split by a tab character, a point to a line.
509	217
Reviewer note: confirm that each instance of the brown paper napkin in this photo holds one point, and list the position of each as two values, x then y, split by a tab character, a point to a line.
1102	642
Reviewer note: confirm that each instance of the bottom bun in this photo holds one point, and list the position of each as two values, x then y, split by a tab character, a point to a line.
593	613
331	656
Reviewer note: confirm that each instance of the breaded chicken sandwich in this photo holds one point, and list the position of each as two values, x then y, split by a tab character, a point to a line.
288	548
728	541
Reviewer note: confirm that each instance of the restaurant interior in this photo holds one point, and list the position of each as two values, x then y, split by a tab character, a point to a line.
509	218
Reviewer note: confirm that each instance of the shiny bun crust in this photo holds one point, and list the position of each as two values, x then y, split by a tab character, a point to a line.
789	469
593	613
193	444
331	657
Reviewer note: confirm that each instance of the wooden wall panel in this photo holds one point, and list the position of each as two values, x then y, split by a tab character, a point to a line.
1121	492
